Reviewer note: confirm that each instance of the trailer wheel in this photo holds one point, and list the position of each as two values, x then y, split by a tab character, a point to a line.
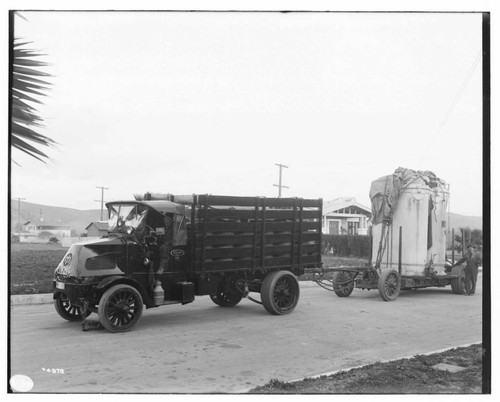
280	292
343	284
389	285
67	310
458	284
120	308
227	298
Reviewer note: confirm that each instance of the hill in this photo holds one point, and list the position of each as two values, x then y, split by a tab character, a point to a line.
464	221
77	219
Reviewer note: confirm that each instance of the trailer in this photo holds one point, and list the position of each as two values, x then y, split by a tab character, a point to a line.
168	249
408	240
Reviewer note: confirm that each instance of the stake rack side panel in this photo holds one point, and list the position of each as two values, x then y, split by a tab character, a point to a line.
234	233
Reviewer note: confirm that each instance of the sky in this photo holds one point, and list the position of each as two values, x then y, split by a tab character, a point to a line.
182	103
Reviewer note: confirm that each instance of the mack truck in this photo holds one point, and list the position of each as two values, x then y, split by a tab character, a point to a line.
163	250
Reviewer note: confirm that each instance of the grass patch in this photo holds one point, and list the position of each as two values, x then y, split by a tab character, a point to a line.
405	376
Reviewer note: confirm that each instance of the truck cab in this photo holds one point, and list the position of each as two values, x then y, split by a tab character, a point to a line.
145	245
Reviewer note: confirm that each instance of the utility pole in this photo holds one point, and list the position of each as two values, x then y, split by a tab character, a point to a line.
280	186
19	217
102	198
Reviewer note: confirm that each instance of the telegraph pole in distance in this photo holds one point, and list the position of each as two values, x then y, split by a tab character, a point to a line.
280	186
19	218
102	198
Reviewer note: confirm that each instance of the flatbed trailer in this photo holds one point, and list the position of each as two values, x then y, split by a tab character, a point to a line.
389	282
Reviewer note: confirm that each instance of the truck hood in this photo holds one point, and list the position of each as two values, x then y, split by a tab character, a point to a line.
91	258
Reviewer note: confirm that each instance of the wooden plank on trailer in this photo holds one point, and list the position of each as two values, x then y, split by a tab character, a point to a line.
250	201
248	227
224	265
284	263
270	250
221	227
238	240
271	214
226	252
228	200
310	227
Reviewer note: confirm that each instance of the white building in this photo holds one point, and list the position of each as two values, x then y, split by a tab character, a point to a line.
344	215
57	230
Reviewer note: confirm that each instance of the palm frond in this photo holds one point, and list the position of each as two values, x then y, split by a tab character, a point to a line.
28	89
28	149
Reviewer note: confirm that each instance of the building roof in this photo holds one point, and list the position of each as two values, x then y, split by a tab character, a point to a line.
343	202
100	225
42	223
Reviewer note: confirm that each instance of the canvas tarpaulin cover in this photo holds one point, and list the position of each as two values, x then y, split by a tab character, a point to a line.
385	191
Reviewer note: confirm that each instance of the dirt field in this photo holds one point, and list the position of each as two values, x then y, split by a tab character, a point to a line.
409	376
32	267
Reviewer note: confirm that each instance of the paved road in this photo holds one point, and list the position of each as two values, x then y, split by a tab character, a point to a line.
203	348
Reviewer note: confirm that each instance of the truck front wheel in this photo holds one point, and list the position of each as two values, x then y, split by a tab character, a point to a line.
120	308
280	292
67	310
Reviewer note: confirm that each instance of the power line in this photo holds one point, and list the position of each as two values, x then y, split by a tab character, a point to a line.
462	88
280	186
454	102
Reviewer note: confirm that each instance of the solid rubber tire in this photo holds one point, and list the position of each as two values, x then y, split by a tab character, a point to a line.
458	284
71	312
268	292
346	289
382	285
106	298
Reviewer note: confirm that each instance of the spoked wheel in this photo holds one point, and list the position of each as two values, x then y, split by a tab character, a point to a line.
280	292
458	284
389	285
227	298
67	310
120	308
343	283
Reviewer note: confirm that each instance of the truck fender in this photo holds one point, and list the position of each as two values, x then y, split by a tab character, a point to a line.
56	293
115	280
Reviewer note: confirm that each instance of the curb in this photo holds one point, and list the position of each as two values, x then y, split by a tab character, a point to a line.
44	298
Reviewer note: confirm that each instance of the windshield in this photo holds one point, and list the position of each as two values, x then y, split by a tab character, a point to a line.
125	216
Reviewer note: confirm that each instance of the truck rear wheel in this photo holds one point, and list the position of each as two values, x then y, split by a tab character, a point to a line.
67	310
389	285
343	284
227	298
458	284
280	292
120	308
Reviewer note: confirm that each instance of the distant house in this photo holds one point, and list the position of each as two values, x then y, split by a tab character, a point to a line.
344	215
97	229
36	228
27	237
